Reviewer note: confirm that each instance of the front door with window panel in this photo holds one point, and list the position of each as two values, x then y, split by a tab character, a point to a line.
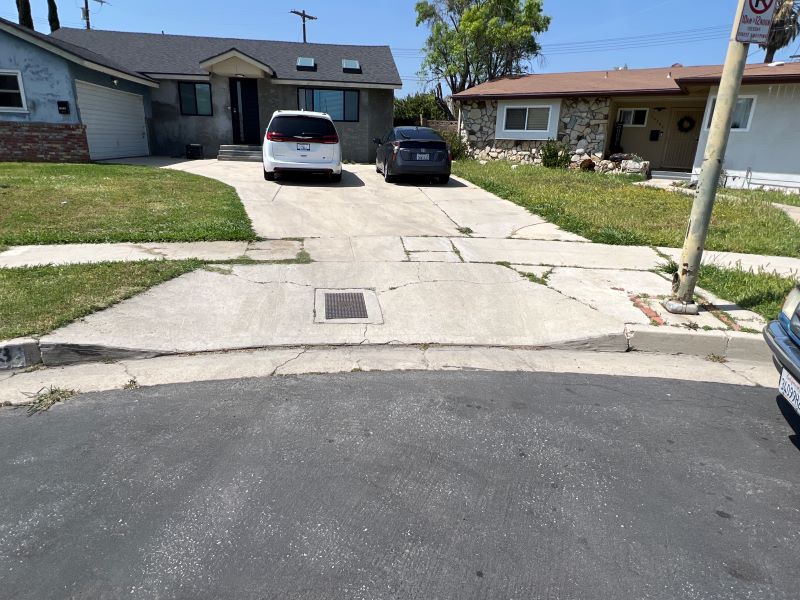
244	111
683	135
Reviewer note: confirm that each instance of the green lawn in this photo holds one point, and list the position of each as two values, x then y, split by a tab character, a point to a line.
37	300
610	209
764	196
69	203
763	293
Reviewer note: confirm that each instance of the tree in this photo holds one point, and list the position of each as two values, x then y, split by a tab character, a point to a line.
52	15
473	41
24	12
785	28
421	103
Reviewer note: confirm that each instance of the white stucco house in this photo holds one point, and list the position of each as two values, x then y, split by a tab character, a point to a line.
661	115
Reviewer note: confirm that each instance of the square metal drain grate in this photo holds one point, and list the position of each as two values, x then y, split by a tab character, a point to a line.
345	305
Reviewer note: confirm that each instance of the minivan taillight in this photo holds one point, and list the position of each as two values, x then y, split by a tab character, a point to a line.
329	139
277	136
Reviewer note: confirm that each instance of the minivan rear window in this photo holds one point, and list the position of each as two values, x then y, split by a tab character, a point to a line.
297	126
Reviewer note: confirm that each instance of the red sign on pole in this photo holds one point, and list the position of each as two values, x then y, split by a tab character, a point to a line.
755	21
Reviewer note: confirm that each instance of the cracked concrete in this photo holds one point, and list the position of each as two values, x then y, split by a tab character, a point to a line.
19	387
421	303
434	285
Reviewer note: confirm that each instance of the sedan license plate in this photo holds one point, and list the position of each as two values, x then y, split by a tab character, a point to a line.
303	147
423	156
790	389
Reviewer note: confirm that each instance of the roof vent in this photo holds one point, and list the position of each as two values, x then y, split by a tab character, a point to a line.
350	65
677	66
305	63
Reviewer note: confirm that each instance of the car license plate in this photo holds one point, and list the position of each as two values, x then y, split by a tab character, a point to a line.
790	389
423	156
304	147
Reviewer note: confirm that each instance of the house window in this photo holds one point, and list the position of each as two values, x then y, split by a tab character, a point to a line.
528	118
742	114
341	105
633	117
12	94
196	99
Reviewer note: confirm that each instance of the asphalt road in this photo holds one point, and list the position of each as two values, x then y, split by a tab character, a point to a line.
404	485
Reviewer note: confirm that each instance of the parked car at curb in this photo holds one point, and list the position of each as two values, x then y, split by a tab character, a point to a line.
299	141
413	151
783	338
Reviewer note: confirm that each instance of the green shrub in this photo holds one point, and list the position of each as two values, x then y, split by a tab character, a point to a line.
458	148
555	155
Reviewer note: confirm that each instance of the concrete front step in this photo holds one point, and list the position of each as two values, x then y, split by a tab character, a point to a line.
242	158
241	152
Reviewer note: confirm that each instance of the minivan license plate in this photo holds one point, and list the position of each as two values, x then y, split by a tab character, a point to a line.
790	389
423	156
304	147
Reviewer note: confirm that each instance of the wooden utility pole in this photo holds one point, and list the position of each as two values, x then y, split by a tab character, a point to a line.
305	17
86	12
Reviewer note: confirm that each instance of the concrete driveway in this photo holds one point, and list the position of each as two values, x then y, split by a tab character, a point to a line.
363	205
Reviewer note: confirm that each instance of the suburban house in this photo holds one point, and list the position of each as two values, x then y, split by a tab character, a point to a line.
661	115
82	94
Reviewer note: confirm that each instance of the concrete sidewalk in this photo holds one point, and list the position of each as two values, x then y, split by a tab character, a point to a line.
437	265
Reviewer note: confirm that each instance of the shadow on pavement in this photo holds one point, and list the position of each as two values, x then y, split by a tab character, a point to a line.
349	179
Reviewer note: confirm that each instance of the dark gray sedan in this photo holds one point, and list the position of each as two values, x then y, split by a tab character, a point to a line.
413	151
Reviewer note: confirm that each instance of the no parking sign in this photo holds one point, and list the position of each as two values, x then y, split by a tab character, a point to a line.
755	21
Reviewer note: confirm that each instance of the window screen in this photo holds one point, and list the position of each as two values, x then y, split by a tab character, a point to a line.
195	99
741	114
535	118
10	92
538	119
341	105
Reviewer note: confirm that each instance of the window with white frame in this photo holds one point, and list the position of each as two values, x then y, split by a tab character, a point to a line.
518	120
633	117
742	114
12	94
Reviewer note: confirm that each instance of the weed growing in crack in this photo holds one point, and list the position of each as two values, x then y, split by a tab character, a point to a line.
131	385
45	398
465	231
716	358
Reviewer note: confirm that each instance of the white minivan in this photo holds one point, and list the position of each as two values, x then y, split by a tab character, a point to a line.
302	141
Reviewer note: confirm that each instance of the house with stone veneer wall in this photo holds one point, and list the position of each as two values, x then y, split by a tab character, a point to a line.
660	116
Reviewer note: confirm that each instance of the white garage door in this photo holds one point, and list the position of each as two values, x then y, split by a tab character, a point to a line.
115	125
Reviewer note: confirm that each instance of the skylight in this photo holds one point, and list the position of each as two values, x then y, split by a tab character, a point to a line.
305	63
350	65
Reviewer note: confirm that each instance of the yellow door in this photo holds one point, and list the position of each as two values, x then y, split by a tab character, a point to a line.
683	134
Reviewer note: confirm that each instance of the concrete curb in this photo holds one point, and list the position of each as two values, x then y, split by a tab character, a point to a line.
26	352
734	345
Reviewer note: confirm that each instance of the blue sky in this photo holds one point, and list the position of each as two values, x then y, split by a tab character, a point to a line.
581	36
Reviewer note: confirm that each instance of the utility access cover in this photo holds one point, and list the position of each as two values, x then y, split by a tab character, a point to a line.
345	305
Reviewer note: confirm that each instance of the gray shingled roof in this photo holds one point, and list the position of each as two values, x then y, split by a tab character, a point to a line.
182	54
76	50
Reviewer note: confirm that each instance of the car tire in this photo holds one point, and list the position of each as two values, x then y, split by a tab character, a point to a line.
386	177
336	177
269	176
443	179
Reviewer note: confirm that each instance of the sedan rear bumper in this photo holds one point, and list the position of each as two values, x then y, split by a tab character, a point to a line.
784	351
413	167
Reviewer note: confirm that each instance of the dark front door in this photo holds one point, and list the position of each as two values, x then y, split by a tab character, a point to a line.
244	111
